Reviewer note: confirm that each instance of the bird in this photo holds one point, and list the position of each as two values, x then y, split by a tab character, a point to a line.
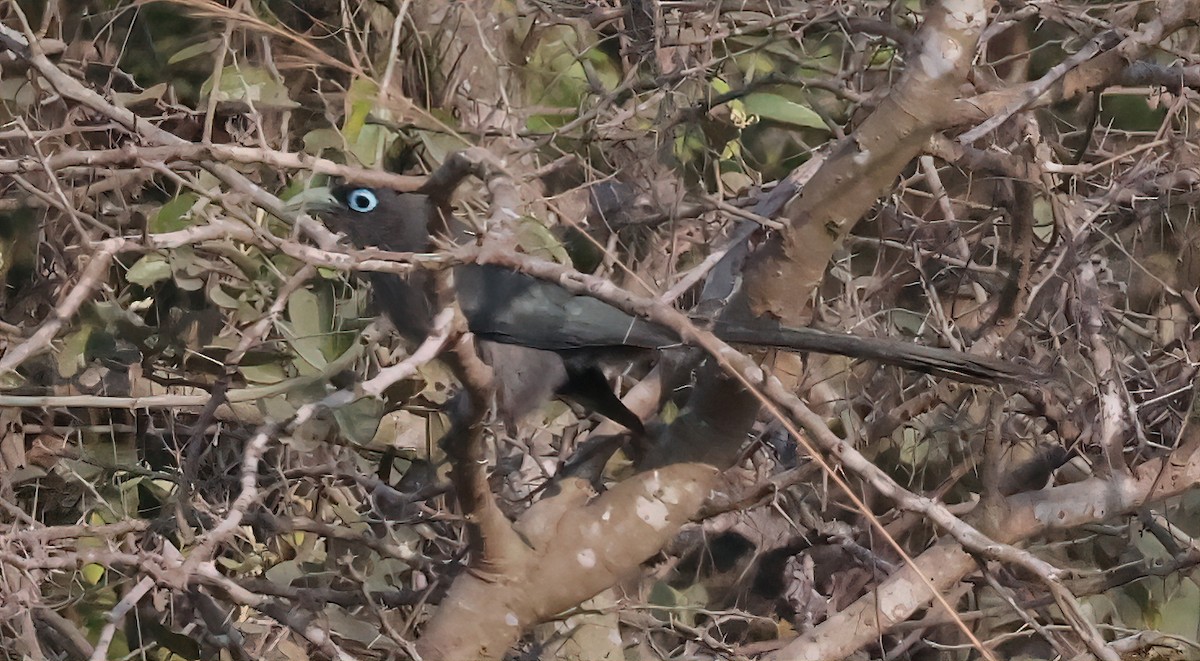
542	340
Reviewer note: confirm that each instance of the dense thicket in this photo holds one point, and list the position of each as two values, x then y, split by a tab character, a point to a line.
213	448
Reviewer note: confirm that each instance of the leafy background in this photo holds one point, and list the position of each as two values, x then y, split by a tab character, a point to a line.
130	442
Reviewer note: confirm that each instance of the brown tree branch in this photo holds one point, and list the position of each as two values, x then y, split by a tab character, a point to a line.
1094	74
131	154
1019	517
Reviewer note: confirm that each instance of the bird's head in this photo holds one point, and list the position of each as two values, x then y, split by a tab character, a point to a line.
380	217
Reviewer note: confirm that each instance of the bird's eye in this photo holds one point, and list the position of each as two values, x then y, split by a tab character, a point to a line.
362	200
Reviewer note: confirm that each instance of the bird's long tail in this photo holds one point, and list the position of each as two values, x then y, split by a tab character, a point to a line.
948	363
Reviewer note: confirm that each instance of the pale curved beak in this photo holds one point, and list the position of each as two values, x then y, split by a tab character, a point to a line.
312	200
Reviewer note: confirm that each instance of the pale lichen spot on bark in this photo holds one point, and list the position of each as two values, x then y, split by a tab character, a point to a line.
938	57
964	15
586	558
653	483
653	512
669	495
754	375
895	597
899	612
1050	513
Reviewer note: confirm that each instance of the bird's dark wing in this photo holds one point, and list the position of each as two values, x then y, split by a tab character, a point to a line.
506	306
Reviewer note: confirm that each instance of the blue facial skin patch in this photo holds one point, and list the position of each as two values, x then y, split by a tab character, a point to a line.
362	200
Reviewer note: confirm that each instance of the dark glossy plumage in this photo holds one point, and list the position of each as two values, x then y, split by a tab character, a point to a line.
538	338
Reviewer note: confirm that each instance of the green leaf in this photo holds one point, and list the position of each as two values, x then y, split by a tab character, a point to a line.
1043	219
537	240
311	316
318	140
914	447
92	573
545	124
755	64
605	67
662	594
736	183
149	270
360	100
71	357
217	294
186	270
195	50
276	408
251	85
1180	614
18	91
439	146
669	412
1131	112
151	94
359	420
676	604
690	145
556	77
777	108
11	380
304	311
307	347
370	145
265	374
172	216
883	56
